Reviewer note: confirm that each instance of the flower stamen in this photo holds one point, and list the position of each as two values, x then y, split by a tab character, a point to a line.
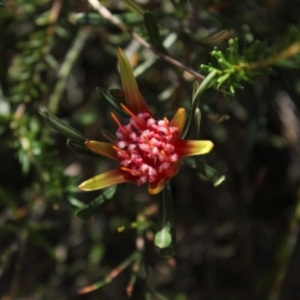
146	151
122	152
145	138
115	118
167	125
131	171
135	118
164	154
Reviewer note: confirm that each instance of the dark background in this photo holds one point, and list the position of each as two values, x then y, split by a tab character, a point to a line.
235	241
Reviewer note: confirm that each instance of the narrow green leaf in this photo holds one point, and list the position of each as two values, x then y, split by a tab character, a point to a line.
80	148
165	237
94	19
179	8
75	202
205	84
61	31
66	67
217	37
153	31
51	61
231	53
63	127
214	176
118	94
134	7
224	64
111	102
100	202
91	19
223	78
197	121
108	136
30	44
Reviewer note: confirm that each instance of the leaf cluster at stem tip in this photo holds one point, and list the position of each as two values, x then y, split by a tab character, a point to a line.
232	68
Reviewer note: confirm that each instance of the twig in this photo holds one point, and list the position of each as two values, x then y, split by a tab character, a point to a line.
53	16
114	273
109	16
285	54
66	67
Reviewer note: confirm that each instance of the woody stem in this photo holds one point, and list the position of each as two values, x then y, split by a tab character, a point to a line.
109	16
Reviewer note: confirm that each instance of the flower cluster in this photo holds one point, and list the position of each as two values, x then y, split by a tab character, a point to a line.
148	150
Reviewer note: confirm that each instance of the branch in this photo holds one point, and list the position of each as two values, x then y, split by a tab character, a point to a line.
110	17
291	51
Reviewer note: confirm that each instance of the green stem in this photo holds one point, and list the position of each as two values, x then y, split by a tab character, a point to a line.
165	237
205	84
66	67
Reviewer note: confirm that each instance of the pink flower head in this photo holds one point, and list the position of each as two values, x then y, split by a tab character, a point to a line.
148	150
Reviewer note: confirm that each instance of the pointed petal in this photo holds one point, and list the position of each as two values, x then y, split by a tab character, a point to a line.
104	149
179	120
134	99
104	180
156	187
189	148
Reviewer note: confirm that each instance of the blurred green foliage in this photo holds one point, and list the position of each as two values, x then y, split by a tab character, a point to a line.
235	237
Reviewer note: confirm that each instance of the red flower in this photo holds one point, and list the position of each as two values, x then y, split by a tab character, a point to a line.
149	151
